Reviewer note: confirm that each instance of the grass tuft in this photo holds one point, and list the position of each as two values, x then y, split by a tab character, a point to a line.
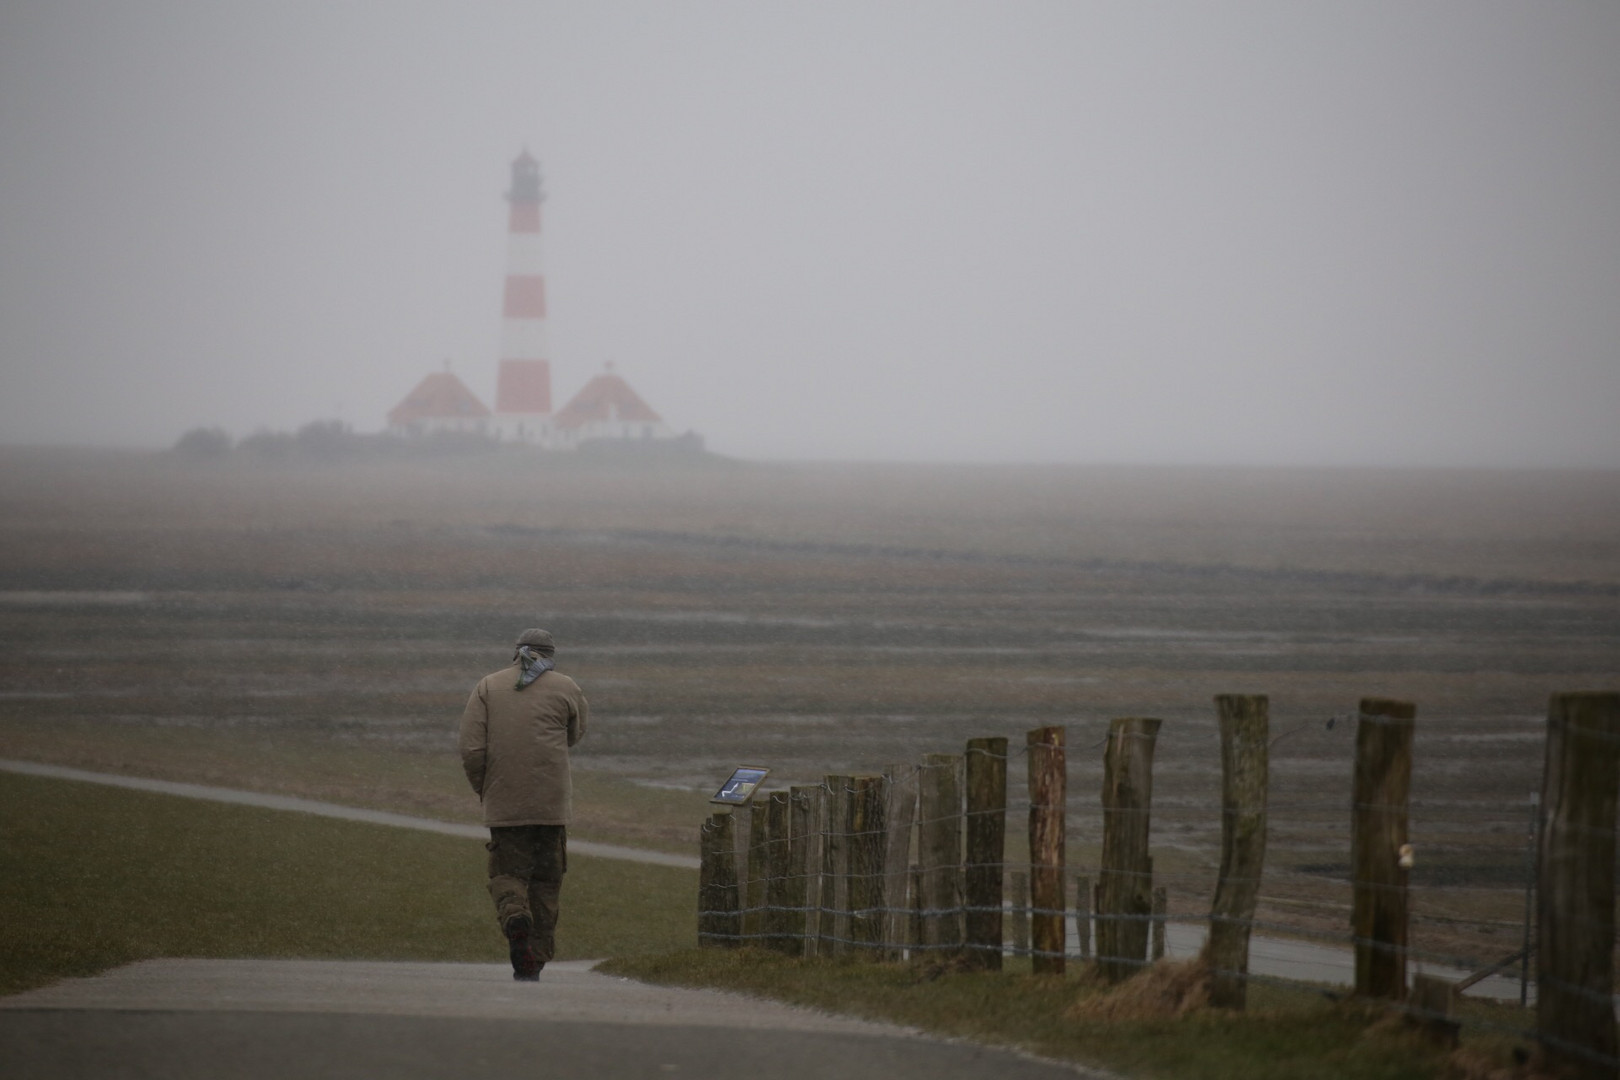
1164	991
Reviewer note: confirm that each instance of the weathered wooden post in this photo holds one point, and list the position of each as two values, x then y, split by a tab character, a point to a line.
939	851
1575	909
1383	781
813	859
706	899
778	875
1532	858
1161	908
899	817
1125	882
1432	1008
1245	763
867	850
758	840
915	903
834	924
1048	815
723	881
1019	884
801	859
986	770
1082	914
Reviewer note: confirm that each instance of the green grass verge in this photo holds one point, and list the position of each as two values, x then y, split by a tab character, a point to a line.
92	877
1286	1033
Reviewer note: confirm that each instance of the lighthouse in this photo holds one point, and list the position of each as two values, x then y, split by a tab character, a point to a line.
605	412
523	380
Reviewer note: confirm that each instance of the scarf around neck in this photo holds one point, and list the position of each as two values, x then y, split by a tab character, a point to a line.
534	665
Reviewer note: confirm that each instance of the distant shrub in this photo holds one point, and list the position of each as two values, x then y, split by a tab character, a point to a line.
328	440
203	444
267	445
445	444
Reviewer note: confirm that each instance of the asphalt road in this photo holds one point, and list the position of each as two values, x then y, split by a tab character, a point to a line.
255	1019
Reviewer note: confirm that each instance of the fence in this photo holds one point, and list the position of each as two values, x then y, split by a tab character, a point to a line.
918	861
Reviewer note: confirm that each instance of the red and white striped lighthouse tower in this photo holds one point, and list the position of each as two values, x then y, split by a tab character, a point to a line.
523	382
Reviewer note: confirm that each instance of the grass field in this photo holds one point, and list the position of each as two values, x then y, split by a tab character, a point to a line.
92	877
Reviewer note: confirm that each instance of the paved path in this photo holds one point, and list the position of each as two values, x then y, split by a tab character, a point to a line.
326	809
1306	961
279	1018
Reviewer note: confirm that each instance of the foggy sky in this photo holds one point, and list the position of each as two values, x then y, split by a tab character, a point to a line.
1357	233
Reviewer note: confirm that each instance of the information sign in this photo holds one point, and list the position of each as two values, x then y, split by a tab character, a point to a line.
740	788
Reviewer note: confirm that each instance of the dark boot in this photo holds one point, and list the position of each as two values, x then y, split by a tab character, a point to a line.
525	966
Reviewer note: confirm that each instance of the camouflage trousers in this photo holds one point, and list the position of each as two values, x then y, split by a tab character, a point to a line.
526	867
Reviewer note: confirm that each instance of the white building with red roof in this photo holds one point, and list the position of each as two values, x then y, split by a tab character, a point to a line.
606	408
440	403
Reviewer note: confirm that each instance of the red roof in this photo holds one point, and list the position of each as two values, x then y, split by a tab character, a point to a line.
440	396
606	397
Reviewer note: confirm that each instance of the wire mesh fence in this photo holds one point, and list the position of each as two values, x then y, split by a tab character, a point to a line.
894	866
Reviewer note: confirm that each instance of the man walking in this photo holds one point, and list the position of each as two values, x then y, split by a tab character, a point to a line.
515	734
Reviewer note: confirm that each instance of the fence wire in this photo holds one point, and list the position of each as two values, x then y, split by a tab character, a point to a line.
833	888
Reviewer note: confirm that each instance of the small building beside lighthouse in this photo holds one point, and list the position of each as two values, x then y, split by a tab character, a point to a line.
440	404
606	408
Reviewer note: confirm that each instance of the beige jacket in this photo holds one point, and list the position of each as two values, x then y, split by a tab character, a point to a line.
514	746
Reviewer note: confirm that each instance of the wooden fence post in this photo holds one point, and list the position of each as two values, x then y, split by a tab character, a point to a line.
814	860
986	820
1019	882
1097	913
939	851
778	875
914	902
1432	1008
899	816
1245	762
801	853
1048	814
1125	882
758	839
1161	908
834	925
868	848
1575	910
723	880
1082	914
1383	782
705	897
